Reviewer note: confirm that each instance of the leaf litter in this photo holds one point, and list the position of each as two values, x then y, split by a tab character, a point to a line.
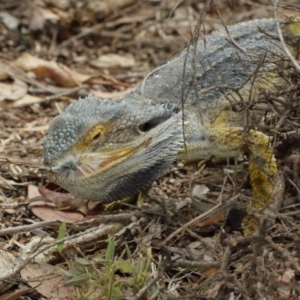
56	51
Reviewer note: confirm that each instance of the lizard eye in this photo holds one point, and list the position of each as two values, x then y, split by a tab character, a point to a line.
96	136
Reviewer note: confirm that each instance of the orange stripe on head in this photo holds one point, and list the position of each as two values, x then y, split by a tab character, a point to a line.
96	163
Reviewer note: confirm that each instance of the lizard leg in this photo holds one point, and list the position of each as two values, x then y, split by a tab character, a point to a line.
262	168
262	164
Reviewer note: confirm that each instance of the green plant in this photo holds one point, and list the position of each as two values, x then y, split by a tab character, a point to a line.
109	277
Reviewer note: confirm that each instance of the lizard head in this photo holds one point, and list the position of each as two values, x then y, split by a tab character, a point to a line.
106	150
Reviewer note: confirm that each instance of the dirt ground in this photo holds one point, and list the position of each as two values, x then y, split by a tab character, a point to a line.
168	246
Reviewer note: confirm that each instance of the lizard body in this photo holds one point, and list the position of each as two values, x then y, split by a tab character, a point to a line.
105	150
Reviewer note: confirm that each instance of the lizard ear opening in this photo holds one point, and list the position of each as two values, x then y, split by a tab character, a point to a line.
147	126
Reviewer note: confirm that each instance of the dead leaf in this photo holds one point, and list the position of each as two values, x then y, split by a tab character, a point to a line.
212	271
199	202
3	75
112	60
61	4
15	295
37	20
7	264
46	213
107	95
199	189
9	21
26	100
20	161
32	191
62	200
37	128
183	203
95	9
285	279
6	93
57	72
45	204
6	184
47	280
33	245
218	217
13	91
62	15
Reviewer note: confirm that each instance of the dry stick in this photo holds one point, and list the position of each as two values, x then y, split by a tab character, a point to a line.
58	95
26	227
223	271
287	214
14	71
16	160
125	217
294	185
95	28
193	42
287	51
80	35
225	261
143	291
201	218
154	71
183	263
30	258
242	288
284	253
156	294
170	14
205	207
199	238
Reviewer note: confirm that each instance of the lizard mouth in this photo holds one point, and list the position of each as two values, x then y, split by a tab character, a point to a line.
91	164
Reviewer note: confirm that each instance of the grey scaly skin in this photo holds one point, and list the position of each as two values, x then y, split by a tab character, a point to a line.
105	150
137	156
